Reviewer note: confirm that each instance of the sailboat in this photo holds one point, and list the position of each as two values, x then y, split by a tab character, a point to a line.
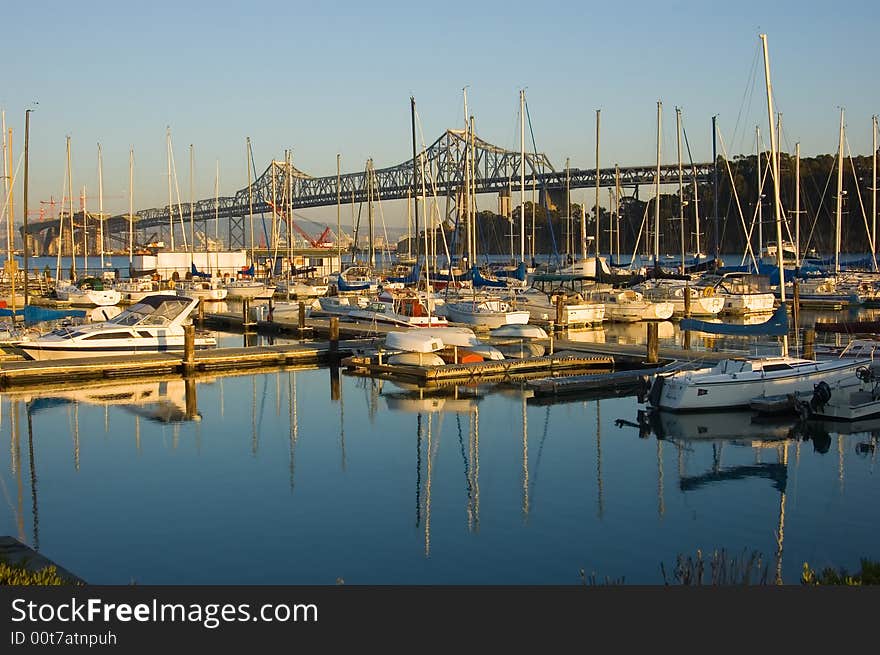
735	382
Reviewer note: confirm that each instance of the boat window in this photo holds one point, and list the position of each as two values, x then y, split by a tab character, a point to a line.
144	334
107	335
777	367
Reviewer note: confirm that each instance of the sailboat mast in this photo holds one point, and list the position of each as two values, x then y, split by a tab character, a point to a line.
192	222
216	206
6	166
85	233
760	191
874	189
339	213
415	188
568	238
101	201
617	209
532	248
715	216
680	186
170	206
839	210
776	201
797	204
598	115
522	177
70	207
250	196
130	206
657	198
472	193
370	192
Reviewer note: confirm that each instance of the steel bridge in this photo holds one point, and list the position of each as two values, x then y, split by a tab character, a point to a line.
439	170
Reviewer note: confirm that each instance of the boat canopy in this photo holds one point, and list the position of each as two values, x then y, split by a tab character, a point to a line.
776	325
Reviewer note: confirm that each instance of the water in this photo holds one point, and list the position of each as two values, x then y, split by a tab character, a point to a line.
287	480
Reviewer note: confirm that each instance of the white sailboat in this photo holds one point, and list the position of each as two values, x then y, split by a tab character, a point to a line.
629	306
735	382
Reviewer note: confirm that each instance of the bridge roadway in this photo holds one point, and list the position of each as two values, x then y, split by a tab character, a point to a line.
496	170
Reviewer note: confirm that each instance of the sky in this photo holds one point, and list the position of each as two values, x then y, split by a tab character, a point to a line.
328	78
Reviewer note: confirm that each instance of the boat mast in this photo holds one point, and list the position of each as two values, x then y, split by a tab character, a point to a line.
472	192
776	200
522	177
760	205
339	213
617	209
715	187
532	248
250	198
130	206
216	206
370	193
70	207
192	222
839	197
568	237
85	234
170	207
583	227
415	188
101	201
6	166
874	190
797	204
657	199
680	185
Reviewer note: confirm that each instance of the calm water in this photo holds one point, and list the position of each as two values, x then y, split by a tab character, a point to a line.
289	479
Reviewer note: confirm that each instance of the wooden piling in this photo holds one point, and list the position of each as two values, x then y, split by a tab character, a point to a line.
189	348
809	343
687	301
653	333
334	335
334	383
301	322
246	321
551	334
560	309
201	313
192	406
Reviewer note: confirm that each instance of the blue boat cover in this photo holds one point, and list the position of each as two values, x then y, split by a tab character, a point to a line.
519	273
33	314
776	325
342	285
196	272
480	281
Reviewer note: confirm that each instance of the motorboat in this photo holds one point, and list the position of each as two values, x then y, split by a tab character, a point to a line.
139	288
301	288
736	382
742	293
409	309
249	289
629	306
463	341
576	311
155	324
700	301
340	305
210	289
88	292
487	312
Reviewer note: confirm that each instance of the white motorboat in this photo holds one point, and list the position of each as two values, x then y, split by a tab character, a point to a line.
139	288
742	293
405	308
301	288
849	399
414	341
520	332
250	289
629	306
88	292
155	324
542	307
702	301
202	288
340	305
488	312
736	382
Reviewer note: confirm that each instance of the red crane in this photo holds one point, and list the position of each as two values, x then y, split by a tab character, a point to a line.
320	242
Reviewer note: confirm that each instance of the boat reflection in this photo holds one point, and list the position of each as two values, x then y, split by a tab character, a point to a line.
163	401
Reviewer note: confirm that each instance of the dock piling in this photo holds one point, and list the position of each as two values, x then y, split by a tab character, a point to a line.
687	301
246	322
189	348
301	323
560	309
809	343
653	354
551	334
201	313
334	336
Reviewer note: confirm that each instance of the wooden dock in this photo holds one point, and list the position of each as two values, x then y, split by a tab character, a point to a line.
481	371
38	373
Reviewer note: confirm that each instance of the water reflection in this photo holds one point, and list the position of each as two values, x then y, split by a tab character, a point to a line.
334	470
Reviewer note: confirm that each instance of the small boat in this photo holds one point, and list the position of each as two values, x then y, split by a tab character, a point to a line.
520	331
155	324
416	359
629	306
489	312
137	289
251	289
742	293
521	350
702	301
202	288
463	341
301	288
576	312
413	341
846	400
88	292
340	305
408	309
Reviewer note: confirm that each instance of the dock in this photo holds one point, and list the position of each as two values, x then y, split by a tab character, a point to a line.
42	373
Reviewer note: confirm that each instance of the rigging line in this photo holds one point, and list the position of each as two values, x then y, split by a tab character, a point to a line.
262	213
821	205
534	480
749	91
764	174
556	254
736	194
861	204
432	178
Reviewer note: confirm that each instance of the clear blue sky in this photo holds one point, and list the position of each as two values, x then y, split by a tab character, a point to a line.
323	78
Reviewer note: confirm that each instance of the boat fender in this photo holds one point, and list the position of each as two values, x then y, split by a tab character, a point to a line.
708	292
171	284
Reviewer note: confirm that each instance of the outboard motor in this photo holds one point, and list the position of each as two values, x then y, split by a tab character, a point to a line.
821	395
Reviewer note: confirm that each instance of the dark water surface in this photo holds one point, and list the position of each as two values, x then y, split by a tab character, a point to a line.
288	478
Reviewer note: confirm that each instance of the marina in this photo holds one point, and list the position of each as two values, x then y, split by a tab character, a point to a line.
467	365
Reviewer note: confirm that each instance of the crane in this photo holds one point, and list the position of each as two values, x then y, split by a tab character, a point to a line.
320	242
